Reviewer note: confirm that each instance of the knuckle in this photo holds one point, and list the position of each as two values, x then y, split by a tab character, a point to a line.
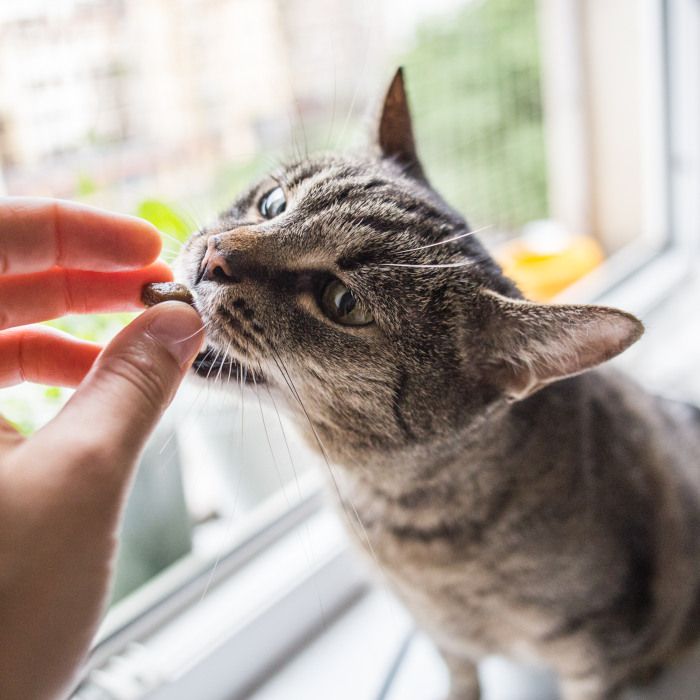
72	298
137	371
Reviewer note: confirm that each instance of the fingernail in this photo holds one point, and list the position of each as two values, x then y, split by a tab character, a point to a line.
178	328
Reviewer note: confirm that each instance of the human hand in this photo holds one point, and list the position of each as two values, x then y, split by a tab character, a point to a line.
62	490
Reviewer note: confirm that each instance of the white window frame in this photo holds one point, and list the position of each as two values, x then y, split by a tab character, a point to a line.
166	642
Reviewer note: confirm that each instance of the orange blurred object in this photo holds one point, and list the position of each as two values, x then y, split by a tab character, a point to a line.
546	259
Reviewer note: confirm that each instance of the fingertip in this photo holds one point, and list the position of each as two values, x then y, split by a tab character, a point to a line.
158	271
178	327
44	355
146	241
133	241
153	241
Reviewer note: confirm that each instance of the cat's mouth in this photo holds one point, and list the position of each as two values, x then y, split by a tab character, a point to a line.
211	365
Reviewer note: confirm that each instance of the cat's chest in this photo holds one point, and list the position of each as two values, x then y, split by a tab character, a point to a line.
464	604
440	563
426	549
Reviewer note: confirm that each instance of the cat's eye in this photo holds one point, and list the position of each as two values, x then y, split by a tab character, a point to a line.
273	203
341	306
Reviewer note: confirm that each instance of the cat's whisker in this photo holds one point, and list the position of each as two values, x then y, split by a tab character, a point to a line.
363	534
309	549
296	150
213	364
194	215
239	376
356	92
172	238
186	415
447	240
230	370
269	442
191	335
284	439
462	263
329	139
221	364
278	167
236	489
209	352
292	388
217	378
303	128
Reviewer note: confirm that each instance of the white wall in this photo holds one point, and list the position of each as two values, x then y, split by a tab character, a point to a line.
604	114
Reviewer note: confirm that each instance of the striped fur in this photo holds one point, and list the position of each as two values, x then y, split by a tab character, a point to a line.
516	505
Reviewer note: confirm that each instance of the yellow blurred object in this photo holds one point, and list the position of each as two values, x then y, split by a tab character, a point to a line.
546	259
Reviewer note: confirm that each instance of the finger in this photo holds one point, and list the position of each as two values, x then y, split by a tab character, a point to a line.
41	296
120	401
38	234
44	355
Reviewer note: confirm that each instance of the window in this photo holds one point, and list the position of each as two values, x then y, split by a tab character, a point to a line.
565	131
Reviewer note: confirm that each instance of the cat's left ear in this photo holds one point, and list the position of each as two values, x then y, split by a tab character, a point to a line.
530	345
395	130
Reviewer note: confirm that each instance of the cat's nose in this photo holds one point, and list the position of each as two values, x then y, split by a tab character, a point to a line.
215	265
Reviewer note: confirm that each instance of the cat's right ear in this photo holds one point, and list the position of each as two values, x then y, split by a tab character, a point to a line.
395	135
530	345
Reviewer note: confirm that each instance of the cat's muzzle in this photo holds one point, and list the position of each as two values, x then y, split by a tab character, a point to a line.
210	365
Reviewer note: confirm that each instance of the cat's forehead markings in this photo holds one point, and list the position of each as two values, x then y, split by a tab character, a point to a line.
305	186
302	187
299	175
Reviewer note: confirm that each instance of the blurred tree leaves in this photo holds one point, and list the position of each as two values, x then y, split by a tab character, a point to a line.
85	185
474	86
473	81
165	218
97	328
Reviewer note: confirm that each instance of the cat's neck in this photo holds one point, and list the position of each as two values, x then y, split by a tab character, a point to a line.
509	445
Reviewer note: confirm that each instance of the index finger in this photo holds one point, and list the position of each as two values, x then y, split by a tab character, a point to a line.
37	234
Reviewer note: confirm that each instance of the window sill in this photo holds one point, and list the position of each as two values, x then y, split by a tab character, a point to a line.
183	646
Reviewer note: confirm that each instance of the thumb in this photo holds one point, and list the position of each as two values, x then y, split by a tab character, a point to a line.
131	383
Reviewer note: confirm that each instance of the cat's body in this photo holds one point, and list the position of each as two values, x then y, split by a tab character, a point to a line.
562	530
552	521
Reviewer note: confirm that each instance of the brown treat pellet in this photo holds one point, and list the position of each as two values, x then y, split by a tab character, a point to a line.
157	292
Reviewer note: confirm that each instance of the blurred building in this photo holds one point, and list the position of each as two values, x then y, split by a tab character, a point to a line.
138	84
185	77
61	78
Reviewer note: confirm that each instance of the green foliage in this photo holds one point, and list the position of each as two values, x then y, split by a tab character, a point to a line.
165	218
53	393
97	328
175	227
28	406
85	185
22	420
474	86
473	81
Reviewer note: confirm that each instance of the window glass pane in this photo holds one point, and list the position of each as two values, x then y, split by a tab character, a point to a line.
167	109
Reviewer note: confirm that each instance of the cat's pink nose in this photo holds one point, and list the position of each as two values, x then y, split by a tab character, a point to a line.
215	265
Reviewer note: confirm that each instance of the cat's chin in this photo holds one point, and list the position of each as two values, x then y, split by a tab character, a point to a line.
209	365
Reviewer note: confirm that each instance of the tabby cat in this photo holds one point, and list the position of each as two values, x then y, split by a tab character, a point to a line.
516	502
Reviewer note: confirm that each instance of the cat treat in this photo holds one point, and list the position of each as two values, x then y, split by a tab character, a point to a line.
158	292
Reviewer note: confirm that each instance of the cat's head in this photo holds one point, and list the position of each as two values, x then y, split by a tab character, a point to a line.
349	289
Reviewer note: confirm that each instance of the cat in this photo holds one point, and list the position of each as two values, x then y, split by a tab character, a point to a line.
517	502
